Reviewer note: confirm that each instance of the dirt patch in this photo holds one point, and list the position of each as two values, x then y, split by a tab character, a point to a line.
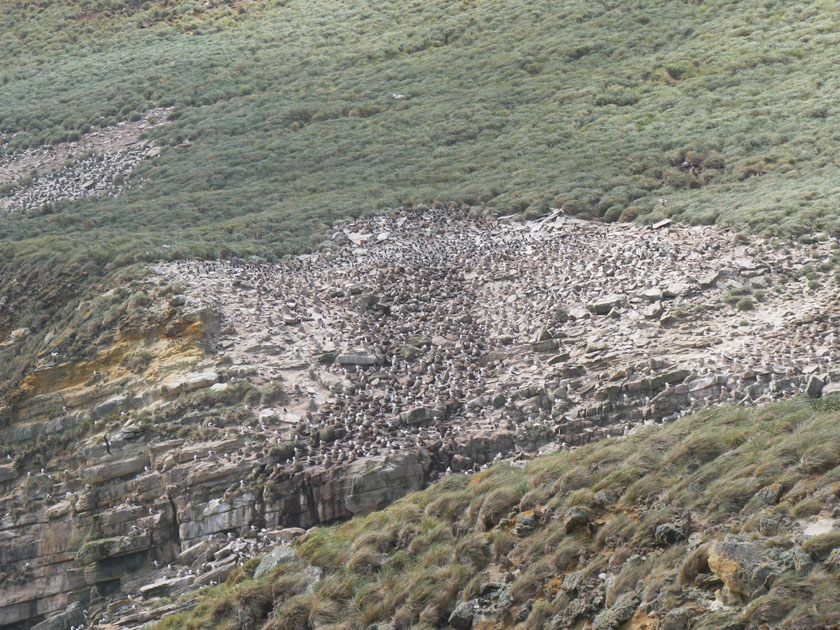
100	162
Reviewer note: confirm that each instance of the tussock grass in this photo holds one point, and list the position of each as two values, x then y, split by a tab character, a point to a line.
711	463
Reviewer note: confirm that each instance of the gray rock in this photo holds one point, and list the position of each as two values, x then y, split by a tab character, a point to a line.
677	619
654	294
375	482
743	567
560	316
576	518
653	311
7	473
20	333
833	560
277	557
64	620
831	388
358	358
416	416
769	495
676	289
622	610
546	345
668	533
461	618
165	587
525	524
814	389
801	560
606	304
708	279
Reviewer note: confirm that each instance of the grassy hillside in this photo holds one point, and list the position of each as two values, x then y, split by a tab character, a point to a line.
748	472
726	109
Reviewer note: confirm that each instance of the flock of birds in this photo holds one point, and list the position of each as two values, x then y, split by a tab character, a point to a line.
98	164
442	307
419	328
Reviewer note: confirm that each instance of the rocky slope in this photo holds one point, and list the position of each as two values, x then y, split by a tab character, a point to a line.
237	401
728	519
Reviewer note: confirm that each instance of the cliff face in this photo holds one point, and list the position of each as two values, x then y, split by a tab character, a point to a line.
235	401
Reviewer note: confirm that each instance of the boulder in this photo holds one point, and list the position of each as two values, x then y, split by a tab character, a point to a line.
189	383
622	610
560	316
288	534
418	415
97	550
769	495
814	389
668	533
676	289
604	305
708	279
20	333
358	358
576	518
677	619
652	311
73	616
277	557
165	587
547	345
191	554
374	482
7	473
462	617
112	470
831	388
743	567
653	294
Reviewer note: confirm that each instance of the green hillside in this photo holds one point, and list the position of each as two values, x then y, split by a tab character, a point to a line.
725	109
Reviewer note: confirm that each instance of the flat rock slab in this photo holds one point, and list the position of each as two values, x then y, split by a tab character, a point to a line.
604	305
358	358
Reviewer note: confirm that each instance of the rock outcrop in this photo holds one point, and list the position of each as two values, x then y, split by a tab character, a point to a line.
246	399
